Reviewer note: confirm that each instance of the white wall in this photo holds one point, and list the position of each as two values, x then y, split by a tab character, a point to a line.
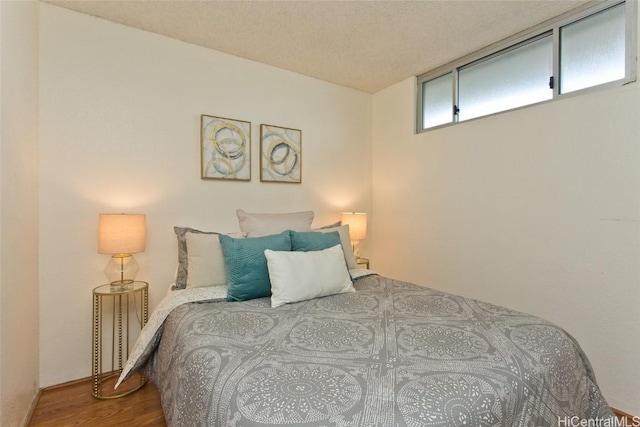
119	132
536	209
18	209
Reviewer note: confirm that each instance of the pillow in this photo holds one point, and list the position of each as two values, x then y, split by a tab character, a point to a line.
256	225
300	276
205	262
312	241
246	265
201	252
335	224
345	239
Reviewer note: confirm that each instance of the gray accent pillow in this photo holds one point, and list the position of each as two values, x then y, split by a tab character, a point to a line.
345	240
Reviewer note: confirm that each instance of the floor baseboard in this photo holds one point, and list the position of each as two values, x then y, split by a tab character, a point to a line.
631	420
32	408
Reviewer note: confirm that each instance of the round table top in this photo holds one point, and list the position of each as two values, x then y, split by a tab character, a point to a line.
109	289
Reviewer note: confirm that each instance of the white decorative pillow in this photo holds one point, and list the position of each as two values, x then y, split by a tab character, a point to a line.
300	276
204	261
257	225
345	240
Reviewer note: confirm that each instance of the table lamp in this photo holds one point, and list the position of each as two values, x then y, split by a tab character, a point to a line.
357	222
121	235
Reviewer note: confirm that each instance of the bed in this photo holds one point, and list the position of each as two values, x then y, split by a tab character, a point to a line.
386	353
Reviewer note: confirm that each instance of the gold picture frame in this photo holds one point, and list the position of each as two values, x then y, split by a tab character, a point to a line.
225	148
280	154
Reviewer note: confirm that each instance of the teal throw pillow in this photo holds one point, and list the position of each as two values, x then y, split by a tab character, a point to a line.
246	265
311	241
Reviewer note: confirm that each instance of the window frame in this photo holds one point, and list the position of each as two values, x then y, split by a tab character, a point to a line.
505	51
551	27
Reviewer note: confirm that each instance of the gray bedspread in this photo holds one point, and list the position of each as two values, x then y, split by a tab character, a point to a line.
391	354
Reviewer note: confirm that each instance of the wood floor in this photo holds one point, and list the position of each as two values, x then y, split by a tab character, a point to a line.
73	405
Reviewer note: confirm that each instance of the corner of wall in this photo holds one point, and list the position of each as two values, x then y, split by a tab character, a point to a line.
19	282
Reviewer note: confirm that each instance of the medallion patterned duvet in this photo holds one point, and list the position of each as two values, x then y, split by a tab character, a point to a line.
390	354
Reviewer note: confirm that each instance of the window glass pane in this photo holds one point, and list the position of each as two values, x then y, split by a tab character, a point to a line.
510	80
592	51
437	101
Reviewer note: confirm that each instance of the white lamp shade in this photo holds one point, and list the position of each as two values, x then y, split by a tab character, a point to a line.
121	233
357	222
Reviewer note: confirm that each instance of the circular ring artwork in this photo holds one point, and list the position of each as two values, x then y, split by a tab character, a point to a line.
280	154
226	150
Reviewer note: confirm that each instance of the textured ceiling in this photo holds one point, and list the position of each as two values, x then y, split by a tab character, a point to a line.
366	45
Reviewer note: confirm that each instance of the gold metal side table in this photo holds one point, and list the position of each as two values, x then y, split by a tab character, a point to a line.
121	302
364	262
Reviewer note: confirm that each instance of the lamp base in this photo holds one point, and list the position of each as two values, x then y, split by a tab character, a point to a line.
355	248
121	285
121	271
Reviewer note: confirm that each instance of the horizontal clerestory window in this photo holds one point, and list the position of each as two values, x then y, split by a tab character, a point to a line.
594	47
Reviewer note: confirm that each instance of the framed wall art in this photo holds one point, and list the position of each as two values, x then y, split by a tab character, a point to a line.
280	154
225	148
